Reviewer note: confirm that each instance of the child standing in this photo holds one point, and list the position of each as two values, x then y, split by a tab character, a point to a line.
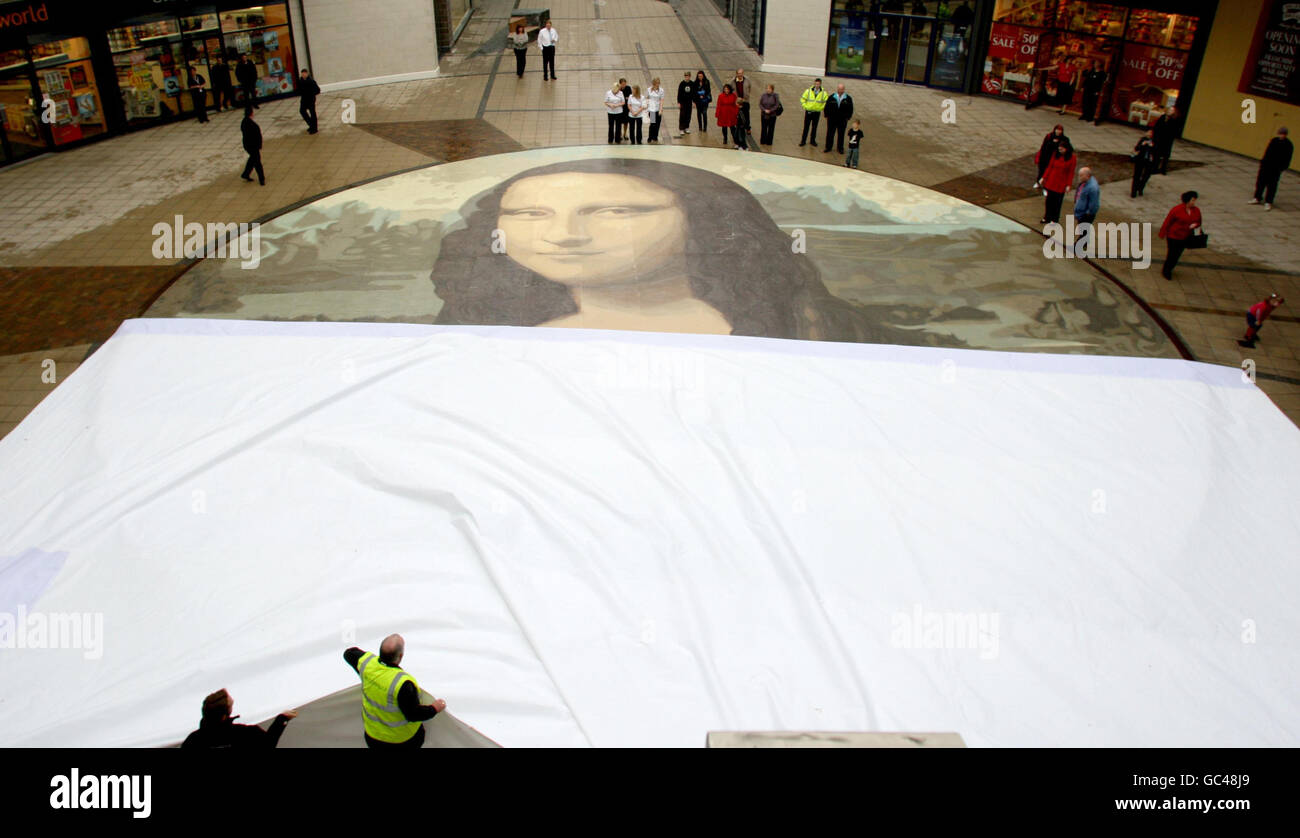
855	140
1255	318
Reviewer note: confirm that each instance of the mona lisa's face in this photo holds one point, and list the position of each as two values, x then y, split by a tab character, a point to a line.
587	229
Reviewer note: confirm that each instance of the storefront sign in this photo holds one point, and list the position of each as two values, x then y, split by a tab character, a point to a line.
1013	52
1271	67
1147	82
1014	43
24	16
1003	41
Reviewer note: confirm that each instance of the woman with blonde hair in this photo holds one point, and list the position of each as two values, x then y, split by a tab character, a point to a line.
655	108
636	109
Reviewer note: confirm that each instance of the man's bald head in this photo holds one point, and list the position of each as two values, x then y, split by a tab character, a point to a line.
1085	173
391	650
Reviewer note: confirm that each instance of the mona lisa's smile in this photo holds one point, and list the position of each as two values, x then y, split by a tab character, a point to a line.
592	229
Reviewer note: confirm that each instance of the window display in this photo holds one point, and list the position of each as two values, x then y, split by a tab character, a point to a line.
1147	83
1160	29
849	47
1009	68
1092	18
66	78
1040	13
262	34
18	113
1142	52
255	17
951	48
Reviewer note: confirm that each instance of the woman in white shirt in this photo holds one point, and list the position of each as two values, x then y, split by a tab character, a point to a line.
636	110
655	99
614	110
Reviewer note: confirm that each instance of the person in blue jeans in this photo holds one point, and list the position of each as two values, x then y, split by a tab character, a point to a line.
1087	201
855	141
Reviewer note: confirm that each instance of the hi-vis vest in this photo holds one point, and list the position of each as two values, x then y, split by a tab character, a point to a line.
379	685
814	100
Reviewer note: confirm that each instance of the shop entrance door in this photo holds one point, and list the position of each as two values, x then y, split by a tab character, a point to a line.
916	63
903	49
888	44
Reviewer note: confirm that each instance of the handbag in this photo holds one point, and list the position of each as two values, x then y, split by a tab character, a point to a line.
780	109
1197	240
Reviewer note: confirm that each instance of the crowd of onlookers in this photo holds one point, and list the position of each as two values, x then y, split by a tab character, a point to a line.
628	108
1058	172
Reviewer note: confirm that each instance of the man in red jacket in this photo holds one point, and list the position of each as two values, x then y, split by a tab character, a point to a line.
1255	318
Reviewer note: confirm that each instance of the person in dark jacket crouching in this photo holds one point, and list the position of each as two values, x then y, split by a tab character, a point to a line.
218	729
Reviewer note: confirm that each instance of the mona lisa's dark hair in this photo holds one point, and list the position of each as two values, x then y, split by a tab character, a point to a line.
737	259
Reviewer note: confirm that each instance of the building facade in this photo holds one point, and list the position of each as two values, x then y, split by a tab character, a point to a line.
1024	51
72	72
1250	79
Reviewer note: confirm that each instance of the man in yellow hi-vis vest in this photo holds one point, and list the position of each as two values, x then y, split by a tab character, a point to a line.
390	697
813	101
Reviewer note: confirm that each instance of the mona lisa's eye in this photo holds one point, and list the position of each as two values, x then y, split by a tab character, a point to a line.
526	213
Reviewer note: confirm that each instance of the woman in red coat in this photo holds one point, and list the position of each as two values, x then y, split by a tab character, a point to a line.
727	110
1182	222
1057	180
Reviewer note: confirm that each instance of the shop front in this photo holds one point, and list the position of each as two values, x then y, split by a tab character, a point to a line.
1041	52
72	72
157	56
926	43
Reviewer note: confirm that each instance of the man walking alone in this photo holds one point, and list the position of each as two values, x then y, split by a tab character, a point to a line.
547	38
1277	157
253	145
308	89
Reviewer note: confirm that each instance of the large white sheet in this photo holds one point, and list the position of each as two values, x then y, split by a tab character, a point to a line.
632	539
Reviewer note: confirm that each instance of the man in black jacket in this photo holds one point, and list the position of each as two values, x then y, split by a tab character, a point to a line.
1277	157
839	110
1094	81
253	145
223	92
1165	128
218	729
685	101
307	91
246	73
408	694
